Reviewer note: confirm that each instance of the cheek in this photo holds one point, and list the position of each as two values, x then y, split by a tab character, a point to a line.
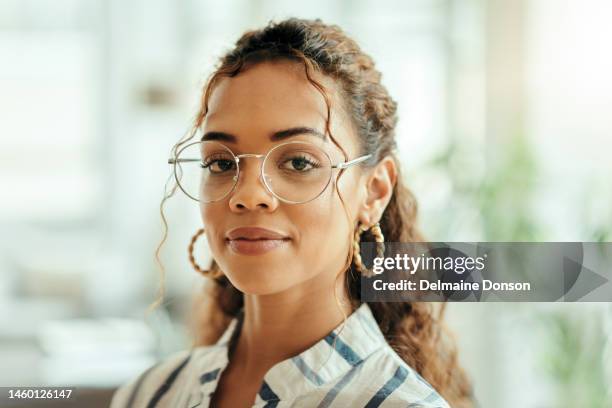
324	229
210	213
350	186
315	217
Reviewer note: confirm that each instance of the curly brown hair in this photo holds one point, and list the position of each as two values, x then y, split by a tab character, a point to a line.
415	330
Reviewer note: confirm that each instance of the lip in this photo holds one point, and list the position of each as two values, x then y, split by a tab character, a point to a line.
252	233
255	240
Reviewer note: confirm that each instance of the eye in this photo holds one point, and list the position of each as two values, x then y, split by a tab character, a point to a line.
299	163
218	165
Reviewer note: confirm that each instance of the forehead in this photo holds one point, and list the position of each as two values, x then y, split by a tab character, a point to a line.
264	86
273	96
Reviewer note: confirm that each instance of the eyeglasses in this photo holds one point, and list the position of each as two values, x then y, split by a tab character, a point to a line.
294	172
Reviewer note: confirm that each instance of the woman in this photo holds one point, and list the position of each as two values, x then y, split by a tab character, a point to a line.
292	159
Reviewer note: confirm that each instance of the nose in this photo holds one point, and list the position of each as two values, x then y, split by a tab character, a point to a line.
250	193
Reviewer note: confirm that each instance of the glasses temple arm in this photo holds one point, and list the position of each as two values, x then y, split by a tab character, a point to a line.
172	161
349	163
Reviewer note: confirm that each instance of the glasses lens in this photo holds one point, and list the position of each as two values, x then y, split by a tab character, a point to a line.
206	171
297	172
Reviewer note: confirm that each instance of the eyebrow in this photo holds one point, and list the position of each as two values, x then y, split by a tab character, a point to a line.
274	137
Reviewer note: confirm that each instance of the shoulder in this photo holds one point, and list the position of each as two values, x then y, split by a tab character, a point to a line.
386	377
154	382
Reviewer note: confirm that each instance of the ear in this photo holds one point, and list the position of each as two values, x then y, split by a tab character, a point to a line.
379	189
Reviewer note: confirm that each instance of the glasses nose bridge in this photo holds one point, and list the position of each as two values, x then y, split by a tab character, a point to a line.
240	156
254	155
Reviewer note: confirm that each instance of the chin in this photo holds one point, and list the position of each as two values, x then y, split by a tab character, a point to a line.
260	274
260	280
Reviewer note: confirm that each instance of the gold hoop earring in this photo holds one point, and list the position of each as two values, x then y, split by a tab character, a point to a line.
205	272
380	247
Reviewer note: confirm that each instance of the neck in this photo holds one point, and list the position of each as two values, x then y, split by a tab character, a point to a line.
279	326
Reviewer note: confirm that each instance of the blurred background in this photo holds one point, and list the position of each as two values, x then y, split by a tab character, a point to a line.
505	133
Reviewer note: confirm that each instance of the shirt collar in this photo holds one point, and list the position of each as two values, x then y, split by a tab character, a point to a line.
341	350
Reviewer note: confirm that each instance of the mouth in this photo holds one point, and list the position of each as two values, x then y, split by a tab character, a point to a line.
255	240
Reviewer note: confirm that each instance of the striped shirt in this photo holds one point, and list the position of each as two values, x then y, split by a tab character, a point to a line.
353	366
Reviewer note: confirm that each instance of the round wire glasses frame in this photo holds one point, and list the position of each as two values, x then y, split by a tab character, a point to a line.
178	170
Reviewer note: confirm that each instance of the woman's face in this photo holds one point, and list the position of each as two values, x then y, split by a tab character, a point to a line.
259	102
